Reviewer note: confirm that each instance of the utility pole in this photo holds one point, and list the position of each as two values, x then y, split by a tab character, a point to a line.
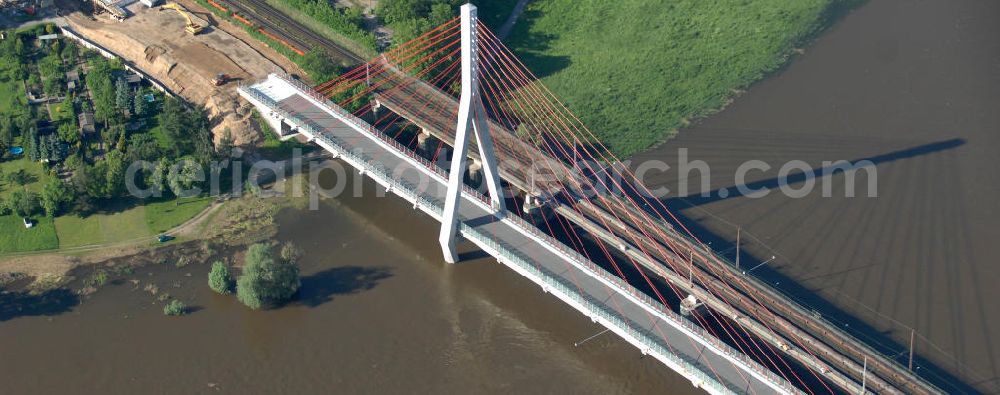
691	267
471	120
737	247
912	334
864	376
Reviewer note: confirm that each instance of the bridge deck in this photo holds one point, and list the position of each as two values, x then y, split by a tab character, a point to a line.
648	325
782	323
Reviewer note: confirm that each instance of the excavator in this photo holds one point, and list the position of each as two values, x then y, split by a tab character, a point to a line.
190	27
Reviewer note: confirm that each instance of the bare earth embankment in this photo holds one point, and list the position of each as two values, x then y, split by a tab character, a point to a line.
155	41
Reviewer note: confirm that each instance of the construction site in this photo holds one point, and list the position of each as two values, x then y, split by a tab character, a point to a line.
188	51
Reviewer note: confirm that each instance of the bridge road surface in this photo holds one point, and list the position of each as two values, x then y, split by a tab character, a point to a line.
648	325
782	323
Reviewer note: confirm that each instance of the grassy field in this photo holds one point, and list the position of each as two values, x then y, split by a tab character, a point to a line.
161	216
14	237
494	12
75	231
129	224
34	169
636	70
10	91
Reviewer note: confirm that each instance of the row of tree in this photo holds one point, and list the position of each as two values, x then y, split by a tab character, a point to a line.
54	199
410	18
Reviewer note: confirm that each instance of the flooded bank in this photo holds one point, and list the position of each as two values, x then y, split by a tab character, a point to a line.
378	311
913	87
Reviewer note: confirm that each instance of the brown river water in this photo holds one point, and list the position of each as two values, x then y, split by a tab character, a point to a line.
379	312
912	85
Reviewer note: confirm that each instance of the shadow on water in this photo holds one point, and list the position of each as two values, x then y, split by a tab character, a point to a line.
880	341
792	179
24	304
321	287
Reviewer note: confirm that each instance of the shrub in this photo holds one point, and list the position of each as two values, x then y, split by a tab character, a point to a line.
219	279
182	261
98	279
266	281
175	307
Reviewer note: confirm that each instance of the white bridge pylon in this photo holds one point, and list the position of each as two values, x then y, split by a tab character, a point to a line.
471	117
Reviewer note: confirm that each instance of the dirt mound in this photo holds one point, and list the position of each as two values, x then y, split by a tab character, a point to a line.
156	43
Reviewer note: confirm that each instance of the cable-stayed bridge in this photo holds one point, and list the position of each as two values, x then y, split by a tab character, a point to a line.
453	123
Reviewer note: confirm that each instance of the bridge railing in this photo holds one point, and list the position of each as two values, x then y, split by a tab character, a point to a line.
375	169
651	303
790	300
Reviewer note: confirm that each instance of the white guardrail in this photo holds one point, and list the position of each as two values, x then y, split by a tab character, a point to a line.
507	255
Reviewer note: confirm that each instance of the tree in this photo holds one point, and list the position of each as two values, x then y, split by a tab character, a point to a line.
157	179
102	89
140	106
69	131
112	134
58	150
22	202
225	147
19	177
318	65
71	52
115	174
200	135
219	279
266	281
123	95
43	148
142	146
440	14
34	149
174	124
6	130
90	179
66	109
184	176
55	196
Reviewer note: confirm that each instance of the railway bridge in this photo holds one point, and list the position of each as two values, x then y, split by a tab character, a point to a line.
586	231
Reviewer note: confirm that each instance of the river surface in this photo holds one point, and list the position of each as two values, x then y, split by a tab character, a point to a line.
913	86
379	312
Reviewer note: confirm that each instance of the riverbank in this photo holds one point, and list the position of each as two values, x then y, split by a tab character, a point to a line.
377	312
662	64
222	224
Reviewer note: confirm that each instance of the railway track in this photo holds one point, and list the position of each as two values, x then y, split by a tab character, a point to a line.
291	30
833	354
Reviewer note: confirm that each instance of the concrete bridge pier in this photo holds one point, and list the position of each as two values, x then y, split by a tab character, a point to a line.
425	140
474	174
531	204
689	305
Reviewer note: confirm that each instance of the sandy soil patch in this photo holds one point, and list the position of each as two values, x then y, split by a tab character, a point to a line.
156	42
